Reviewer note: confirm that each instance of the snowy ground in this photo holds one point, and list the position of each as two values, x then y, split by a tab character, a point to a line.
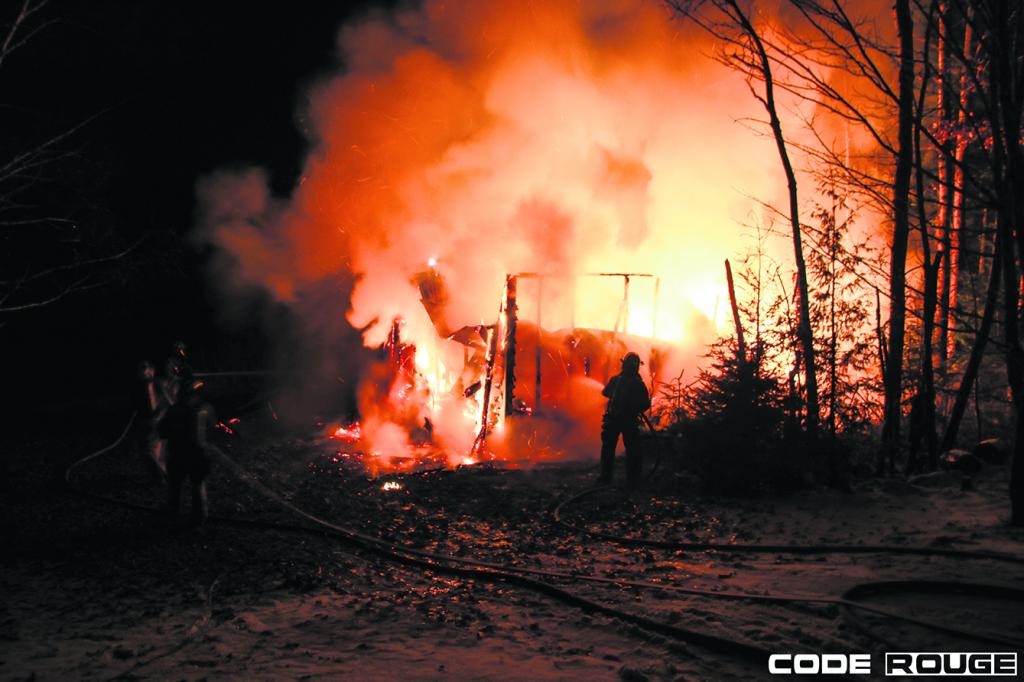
98	591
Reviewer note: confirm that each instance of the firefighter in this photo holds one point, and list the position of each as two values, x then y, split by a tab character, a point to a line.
628	399
149	410
177	372
186	427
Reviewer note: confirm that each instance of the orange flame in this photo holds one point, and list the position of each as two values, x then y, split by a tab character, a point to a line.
489	138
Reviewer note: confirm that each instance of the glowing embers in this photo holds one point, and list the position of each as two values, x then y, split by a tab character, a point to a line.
383	447
348	434
229	427
391	486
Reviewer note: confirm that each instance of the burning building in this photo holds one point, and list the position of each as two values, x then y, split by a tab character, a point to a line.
509	369
519	194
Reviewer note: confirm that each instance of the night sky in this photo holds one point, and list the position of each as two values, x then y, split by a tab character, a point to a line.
169	91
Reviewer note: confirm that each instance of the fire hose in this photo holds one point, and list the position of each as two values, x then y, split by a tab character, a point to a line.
441	563
521	576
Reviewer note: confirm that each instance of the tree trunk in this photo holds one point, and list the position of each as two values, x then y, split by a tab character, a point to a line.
944	202
833	344
963	392
804	333
931	275
741	344
1005	80
926	390
956	216
1014	363
900	235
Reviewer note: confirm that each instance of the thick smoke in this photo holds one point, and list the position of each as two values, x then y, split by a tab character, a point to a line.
497	137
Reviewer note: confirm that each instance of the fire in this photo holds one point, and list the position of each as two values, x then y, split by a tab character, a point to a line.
391	485
350	433
229	427
587	148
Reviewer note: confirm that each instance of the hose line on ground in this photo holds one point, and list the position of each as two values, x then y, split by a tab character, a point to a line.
516	575
440	563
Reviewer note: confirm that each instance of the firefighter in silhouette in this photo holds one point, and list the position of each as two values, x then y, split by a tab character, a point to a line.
150	407
628	399
186	427
177	372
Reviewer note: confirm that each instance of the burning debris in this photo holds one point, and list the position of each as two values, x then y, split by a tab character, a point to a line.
349	434
478	397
